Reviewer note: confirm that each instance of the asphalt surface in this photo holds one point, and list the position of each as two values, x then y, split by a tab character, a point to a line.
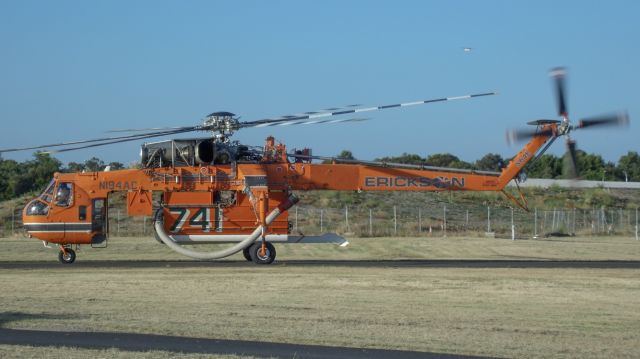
408	263
147	342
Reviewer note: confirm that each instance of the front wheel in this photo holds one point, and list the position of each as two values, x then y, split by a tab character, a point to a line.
67	256
259	257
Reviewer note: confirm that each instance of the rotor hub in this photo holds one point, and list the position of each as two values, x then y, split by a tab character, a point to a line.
221	124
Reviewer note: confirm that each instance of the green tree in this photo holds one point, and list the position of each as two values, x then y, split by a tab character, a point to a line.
407	158
461	164
629	164
29	176
74	167
547	166
94	164
591	166
41	169
442	160
9	170
118	166
346	155
490	162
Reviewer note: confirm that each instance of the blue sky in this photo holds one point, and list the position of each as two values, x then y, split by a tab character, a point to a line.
74	69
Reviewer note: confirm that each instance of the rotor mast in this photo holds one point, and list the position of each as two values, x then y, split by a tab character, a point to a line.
221	124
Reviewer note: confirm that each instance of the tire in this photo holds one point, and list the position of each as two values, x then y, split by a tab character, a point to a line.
269	256
247	254
69	258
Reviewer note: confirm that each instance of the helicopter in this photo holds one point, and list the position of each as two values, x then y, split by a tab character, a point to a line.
216	190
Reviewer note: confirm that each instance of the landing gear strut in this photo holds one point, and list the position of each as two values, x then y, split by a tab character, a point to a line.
66	255
258	256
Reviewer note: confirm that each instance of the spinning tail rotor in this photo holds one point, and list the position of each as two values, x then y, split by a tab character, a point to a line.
563	127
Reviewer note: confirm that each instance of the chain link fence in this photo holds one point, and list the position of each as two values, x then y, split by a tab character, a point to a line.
456	220
436	219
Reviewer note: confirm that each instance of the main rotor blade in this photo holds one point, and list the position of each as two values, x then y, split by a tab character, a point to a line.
309	122
115	138
572	170
137	137
331	109
146	129
614	119
358	110
515	136
559	75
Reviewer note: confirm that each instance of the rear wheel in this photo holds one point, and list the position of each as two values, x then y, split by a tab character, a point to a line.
67	256
246	253
259	257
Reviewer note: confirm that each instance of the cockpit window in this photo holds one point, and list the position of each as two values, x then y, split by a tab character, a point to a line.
37	208
47	194
64	194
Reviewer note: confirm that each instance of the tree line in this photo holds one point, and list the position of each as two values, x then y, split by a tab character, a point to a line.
30	176
590	166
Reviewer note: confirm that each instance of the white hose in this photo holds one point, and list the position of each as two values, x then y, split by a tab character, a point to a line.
159	228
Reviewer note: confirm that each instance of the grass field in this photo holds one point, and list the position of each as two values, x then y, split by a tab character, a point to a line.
534	313
16	351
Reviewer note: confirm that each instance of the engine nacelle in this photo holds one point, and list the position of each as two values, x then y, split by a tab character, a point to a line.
192	152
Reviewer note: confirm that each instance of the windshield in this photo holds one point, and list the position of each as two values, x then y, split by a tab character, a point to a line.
37	208
47	194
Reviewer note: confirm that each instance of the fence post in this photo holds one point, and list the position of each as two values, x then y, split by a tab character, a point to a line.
321	214
444	219
636	223
346	218
296	220
513	227
573	225
419	220
535	223
13	220
466	223
370	223
612	220
621	214
118	222
144	224
488	219
395	221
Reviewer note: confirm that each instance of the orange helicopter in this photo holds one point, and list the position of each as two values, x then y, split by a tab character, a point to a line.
215	190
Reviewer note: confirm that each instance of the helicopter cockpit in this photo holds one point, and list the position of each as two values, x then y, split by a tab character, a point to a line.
64	196
42	204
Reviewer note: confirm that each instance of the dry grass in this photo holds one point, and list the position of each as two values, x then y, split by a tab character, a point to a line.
588	313
565	248
26	352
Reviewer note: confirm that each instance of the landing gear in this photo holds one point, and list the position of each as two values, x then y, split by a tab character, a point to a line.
246	254
260	257
66	255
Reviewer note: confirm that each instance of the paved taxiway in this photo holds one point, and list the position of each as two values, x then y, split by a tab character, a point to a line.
146	342
408	263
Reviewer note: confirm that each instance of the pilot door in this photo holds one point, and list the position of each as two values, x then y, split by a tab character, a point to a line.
99	221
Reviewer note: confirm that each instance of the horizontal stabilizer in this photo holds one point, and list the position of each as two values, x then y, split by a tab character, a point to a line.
324	238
